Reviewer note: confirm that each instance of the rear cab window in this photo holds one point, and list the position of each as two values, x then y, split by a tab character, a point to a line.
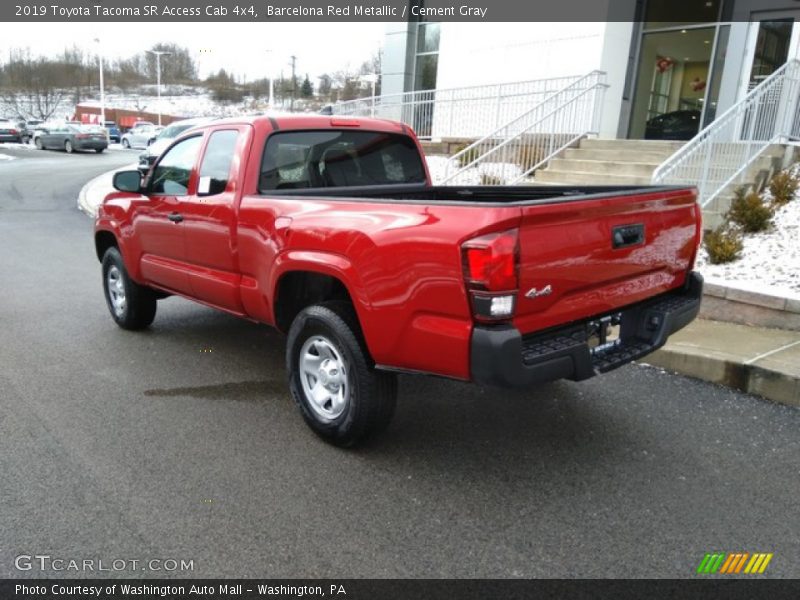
334	159
216	165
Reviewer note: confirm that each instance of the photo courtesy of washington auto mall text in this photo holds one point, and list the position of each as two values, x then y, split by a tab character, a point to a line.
399	299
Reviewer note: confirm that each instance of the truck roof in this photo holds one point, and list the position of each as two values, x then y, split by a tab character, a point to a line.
291	121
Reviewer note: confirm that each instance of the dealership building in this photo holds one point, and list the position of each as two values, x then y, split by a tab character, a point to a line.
652	64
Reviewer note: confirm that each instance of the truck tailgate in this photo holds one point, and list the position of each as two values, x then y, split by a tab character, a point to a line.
585	257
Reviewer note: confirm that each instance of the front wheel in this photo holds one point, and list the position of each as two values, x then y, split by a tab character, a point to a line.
38	143
132	306
99	150
331	377
125	143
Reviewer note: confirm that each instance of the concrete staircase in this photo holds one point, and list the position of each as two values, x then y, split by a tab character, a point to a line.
607	162
632	162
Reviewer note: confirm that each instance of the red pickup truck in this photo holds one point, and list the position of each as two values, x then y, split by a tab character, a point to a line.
329	229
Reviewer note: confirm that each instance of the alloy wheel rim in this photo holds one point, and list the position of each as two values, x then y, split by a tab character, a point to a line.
324	377
116	290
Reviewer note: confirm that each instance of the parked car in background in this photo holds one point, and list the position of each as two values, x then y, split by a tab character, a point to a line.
676	125
164	139
12	130
114	133
138	135
30	127
70	138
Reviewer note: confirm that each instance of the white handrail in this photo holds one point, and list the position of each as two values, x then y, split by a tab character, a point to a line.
464	112
723	150
530	140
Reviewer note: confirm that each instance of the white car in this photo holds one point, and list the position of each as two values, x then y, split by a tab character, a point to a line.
139	135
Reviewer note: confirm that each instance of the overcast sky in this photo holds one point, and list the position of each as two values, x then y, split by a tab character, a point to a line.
237	47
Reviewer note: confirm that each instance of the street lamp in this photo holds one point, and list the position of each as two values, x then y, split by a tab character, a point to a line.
158	54
373	79
102	90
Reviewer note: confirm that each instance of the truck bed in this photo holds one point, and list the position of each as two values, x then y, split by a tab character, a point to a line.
485	195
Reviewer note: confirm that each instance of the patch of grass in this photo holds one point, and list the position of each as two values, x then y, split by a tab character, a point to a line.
783	186
723	245
750	212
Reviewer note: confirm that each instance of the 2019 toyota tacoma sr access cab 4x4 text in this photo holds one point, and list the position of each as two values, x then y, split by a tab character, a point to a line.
330	230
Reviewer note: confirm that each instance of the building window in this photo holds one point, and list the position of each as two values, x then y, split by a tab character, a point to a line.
426	62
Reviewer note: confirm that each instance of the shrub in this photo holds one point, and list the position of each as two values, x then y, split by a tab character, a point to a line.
467	157
750	212
487	179
783	187
723	245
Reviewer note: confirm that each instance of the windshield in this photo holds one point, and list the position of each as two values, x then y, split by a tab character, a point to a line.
173	131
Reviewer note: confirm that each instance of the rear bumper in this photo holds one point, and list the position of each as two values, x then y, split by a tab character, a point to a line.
90	144
502	356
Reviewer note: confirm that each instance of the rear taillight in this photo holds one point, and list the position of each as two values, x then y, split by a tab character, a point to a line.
13	132
491	265
82	136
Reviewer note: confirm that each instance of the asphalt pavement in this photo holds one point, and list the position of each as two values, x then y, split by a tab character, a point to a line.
182	443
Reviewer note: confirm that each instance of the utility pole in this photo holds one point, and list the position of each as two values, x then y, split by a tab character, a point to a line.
102	88
294	83
158	54
271	80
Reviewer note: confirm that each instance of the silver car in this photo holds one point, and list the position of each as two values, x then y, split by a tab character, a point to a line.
165	138
139	136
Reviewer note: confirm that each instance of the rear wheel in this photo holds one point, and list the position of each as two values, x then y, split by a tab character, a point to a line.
332	379
68	147
99	150
132	306
125	143
38	143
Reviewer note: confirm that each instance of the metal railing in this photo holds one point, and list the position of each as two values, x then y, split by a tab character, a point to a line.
722	152
456	112
515	150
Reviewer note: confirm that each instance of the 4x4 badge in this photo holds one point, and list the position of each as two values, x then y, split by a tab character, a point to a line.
534	293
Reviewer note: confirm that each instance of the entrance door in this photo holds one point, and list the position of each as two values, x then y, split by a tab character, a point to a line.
672	84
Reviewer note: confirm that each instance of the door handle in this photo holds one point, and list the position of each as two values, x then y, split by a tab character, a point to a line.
627	235
176	217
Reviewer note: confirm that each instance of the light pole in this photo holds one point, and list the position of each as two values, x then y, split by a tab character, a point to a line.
158	54
102	88
373	79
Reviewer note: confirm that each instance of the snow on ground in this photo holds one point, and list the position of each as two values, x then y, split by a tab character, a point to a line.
15	146
6	157
770	261
503	172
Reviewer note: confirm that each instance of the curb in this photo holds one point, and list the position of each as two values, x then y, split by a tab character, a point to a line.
748	307
94	191
772	385
759	361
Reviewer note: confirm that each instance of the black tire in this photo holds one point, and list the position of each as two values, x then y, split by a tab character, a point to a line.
125	143
68	147
99	150
38	143
138	307
372	395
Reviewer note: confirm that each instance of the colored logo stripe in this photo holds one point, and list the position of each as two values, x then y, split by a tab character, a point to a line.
734	562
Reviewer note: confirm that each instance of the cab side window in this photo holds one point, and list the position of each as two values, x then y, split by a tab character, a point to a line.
172	173
216	166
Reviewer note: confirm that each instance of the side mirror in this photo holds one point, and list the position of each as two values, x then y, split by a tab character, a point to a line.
128	181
